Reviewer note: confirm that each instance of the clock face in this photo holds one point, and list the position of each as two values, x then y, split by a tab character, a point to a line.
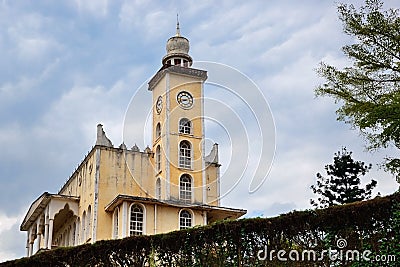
185	99
159	104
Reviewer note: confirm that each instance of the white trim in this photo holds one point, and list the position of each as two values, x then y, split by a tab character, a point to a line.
38	234
50	240
96	196
205	217
155	218
124	218
46	227
218	187
27	244
203	147
167	144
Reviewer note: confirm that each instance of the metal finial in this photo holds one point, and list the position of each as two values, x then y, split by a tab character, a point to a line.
178	31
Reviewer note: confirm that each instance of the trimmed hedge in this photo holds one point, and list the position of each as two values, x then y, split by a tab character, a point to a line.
372	225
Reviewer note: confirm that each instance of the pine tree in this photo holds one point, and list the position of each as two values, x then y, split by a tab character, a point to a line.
343	182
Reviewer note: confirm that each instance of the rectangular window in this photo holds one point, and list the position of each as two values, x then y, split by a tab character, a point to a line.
185	160
136	221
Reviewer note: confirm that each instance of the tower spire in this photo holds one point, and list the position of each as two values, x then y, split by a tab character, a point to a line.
178	31
177	49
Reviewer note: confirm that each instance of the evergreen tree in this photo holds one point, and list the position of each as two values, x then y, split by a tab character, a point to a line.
369	90
343	182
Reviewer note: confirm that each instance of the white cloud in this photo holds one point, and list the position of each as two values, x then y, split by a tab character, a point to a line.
11	136
24	85
145	18
34	48
98	8
81	108
30	41
7	222
12	244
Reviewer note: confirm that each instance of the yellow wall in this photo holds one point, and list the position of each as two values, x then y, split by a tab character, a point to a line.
120	172
167	218
81	184
212	173
169	87
123	172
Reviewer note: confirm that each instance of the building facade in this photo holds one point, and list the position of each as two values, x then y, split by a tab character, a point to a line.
120	192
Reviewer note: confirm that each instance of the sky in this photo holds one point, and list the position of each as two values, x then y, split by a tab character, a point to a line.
66	66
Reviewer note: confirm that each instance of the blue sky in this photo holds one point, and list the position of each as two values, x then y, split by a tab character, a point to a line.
66	66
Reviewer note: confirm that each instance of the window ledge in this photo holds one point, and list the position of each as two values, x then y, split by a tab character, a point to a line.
185	169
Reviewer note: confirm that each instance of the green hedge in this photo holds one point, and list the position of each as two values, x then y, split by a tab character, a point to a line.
372	225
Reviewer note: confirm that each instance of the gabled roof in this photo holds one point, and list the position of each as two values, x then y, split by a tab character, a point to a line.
38	206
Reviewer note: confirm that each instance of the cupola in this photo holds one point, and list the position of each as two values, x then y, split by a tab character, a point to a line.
177	50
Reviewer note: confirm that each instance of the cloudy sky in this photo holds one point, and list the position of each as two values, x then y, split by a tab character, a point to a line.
66	66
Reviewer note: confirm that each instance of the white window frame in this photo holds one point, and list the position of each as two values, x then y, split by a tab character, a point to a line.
185	188
133	230
185	222
185	155
185	126
158	158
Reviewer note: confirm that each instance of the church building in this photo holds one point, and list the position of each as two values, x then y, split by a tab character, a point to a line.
117	192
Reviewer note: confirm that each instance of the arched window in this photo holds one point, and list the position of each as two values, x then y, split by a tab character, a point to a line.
136	222
115	223
158	130
83	227
67	235
158	158
185	126
185	158
74	234
185	188
185	219
89	223
77	233
158	188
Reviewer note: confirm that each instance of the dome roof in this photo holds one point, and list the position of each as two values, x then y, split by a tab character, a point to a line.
177	48
178	44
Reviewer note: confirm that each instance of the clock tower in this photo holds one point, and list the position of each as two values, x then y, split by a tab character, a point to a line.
171	186
179	162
